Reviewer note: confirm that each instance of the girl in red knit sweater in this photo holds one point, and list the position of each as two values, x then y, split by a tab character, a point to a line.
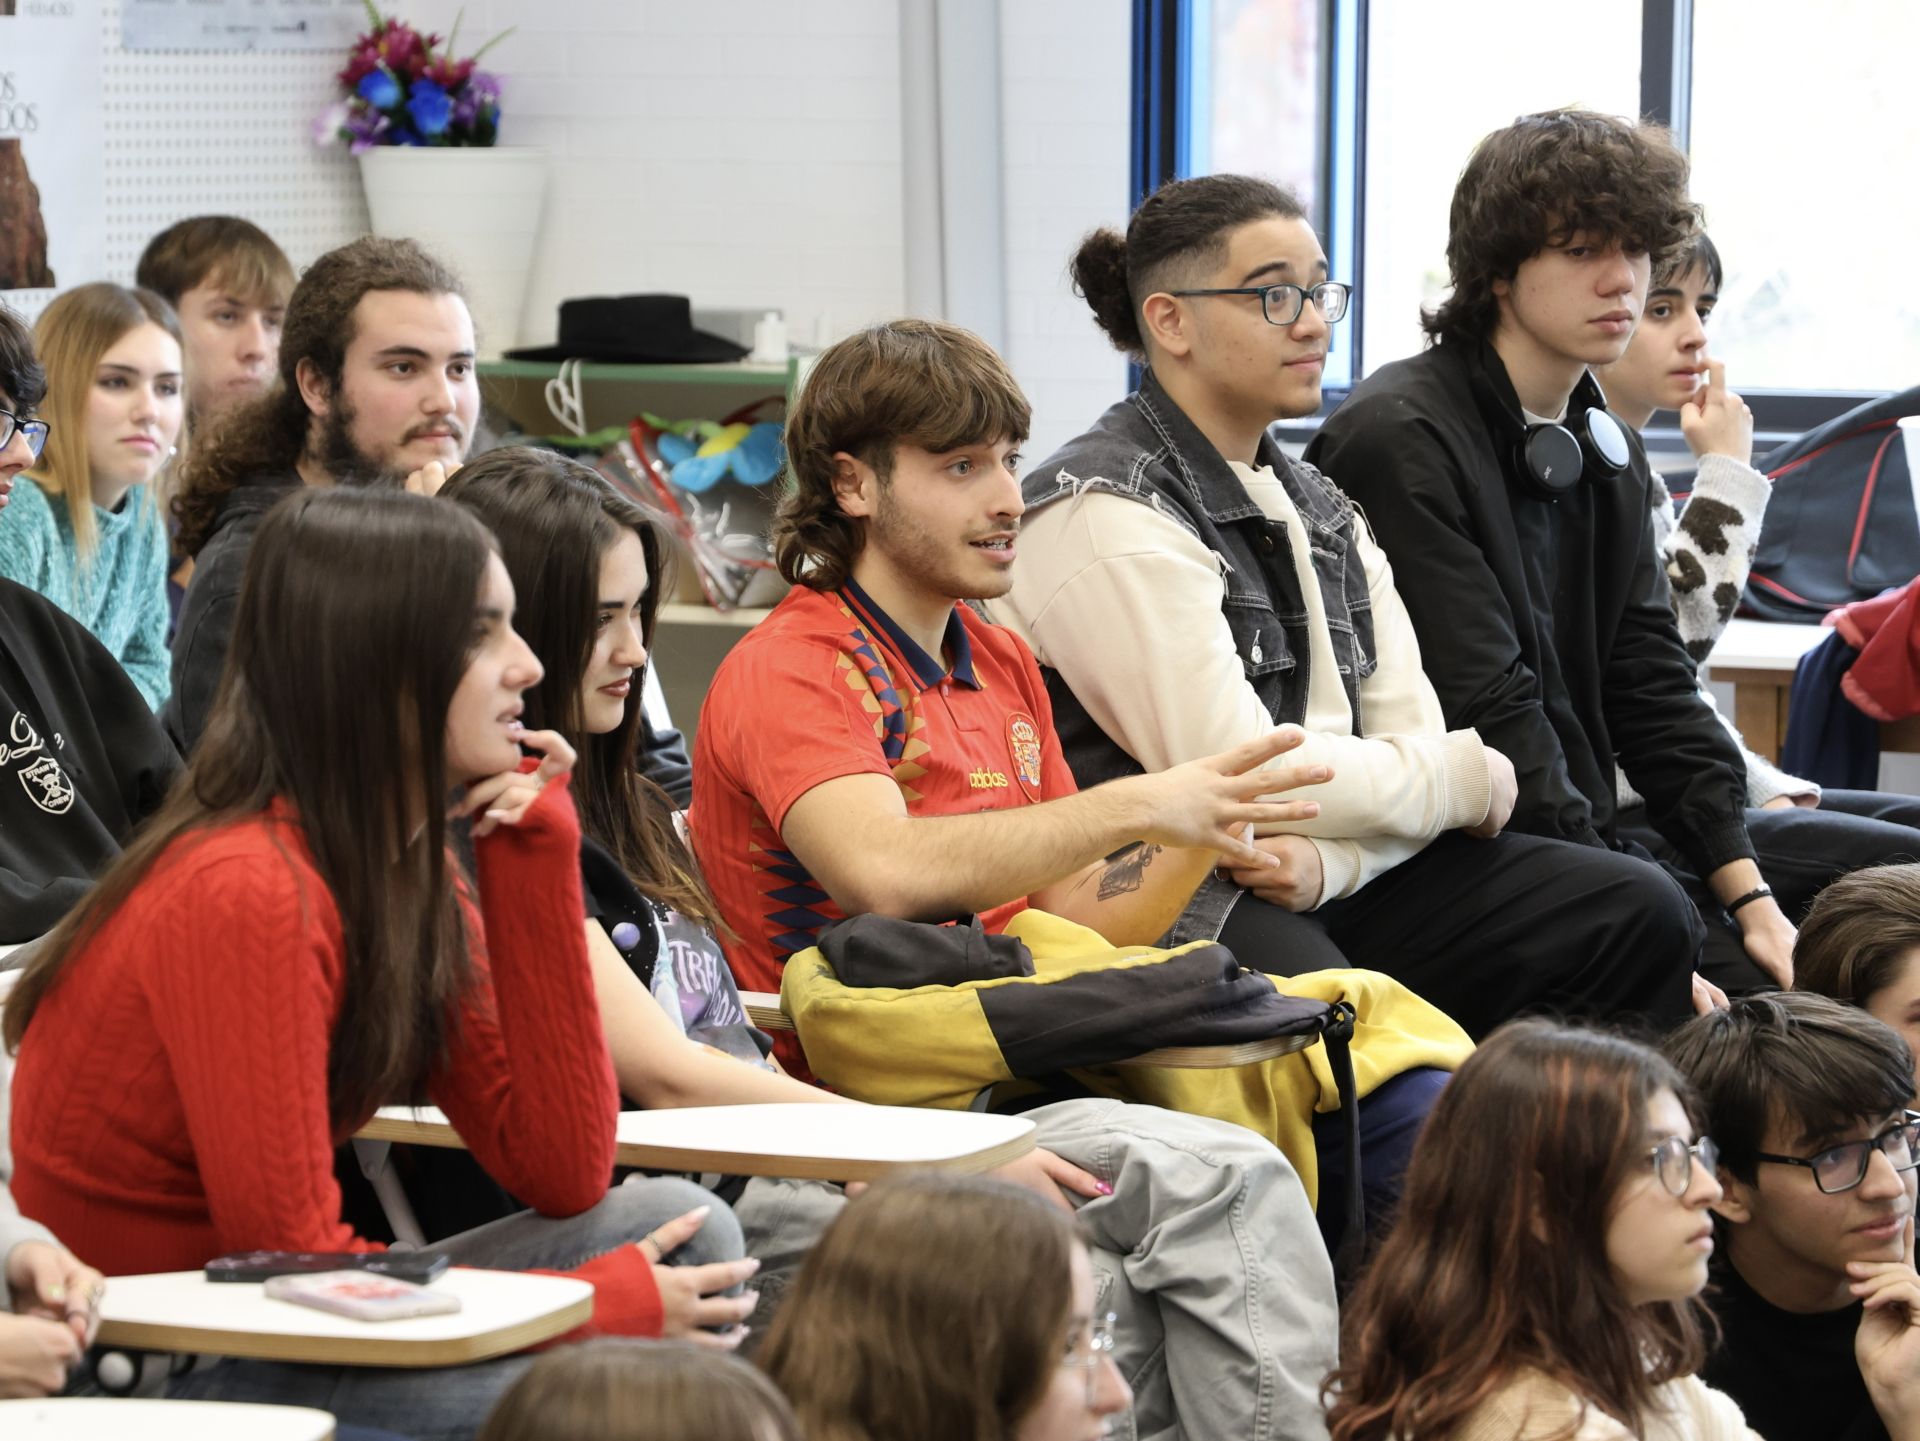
290	943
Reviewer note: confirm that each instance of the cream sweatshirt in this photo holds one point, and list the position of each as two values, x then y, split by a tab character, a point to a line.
1125	603
1531	1407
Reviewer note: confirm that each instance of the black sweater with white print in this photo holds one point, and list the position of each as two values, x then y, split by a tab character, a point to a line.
82	761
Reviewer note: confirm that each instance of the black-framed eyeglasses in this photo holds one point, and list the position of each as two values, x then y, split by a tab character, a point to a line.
1673	1162
1841	1168
35	431
1282	304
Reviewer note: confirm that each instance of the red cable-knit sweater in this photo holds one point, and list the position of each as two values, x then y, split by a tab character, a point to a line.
170	1102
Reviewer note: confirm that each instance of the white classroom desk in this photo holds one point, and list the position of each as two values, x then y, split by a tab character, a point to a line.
1758	658
823	1142
500	1312
81	1418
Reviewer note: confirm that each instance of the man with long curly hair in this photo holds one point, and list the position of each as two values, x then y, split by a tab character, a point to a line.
376	386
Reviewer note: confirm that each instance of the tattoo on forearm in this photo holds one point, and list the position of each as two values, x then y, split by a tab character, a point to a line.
1126	870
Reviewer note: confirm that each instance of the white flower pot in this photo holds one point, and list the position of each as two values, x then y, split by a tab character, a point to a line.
475	207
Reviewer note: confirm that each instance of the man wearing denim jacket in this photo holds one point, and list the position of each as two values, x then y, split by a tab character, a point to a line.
1184	584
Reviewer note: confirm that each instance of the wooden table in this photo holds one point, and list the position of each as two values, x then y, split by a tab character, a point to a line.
90	1418
1759	658
501	1312
826	1142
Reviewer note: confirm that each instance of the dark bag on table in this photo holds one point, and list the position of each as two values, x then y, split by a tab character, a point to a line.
1841	524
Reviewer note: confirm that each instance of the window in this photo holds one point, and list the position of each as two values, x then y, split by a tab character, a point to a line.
1807	174
1264	105
1436	84
1264	95
1369	109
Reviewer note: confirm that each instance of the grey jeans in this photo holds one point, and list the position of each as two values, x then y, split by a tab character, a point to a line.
1207	1252
450	1403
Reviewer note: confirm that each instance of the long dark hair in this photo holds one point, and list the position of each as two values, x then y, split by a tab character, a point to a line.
1498	1261
555	519
355	625
1177	235
935	1306
268	435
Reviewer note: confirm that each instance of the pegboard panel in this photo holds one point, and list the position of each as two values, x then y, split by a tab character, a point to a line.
229	133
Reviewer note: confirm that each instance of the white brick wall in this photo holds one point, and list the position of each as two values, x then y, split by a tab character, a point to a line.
1065	117
743	152
747	152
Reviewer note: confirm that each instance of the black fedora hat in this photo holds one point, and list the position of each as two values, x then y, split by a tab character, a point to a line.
631	330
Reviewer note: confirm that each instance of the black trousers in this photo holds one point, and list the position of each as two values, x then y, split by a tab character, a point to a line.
1800	852
1490	929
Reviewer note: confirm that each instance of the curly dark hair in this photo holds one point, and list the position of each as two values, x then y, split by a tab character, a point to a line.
1548	177
917	382
266	436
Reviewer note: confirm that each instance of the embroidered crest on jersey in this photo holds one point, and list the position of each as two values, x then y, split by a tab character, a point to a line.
1023	743
46	784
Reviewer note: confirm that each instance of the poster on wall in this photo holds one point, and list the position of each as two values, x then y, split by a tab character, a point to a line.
53	202
240	24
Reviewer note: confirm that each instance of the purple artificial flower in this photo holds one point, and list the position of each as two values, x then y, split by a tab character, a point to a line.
379	89
473	98
365	130
429	108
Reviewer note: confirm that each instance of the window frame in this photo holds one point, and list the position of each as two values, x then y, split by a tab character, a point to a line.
1171	57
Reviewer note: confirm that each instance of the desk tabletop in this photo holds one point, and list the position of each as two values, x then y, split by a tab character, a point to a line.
500	1312
1763	645
83	1418
825	1142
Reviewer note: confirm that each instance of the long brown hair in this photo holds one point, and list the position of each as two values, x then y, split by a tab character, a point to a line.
918	382
555	519
355	624
79	327
640	1391
935	1306
269	435
1497	1263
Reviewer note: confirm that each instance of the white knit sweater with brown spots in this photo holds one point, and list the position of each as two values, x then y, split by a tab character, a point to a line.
1708	550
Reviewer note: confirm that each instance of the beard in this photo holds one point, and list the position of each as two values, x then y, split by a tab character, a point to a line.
348	464
345	461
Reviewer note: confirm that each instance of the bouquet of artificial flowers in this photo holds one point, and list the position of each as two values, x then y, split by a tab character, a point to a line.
404	88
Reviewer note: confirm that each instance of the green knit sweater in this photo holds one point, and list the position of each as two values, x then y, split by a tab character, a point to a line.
120	594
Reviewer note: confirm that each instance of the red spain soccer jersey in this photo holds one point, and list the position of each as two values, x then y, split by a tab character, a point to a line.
829	686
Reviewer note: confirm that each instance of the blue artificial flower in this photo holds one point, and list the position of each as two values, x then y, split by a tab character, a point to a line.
379	89
430	107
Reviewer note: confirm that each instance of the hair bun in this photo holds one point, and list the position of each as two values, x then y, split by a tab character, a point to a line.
1099	269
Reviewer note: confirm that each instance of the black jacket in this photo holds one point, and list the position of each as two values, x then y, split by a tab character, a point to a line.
1544	624
206	617
82	761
